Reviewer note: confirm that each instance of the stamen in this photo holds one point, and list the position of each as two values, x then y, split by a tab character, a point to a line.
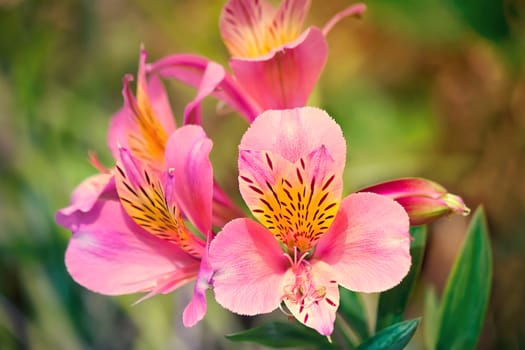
303	256
289	258
303	292
92	157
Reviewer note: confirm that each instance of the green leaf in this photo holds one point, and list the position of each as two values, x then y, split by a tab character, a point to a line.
392	302
352	311
466	295
393	337
283	335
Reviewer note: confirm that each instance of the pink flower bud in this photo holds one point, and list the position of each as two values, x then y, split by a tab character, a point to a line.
425	201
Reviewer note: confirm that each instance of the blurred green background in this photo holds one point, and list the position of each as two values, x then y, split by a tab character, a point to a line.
421	88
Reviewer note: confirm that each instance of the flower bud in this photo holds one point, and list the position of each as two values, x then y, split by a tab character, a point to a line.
425	201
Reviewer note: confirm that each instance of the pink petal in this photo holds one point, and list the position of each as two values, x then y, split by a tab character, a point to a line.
190	69
249	266
289	19
196	309
187	154
286	77
110	254
319	315
368	243
407	187
243	25
213	75
144	122
84	198
151	91
148	199
137	128
133	169
259	173
295	133
160	104
252	28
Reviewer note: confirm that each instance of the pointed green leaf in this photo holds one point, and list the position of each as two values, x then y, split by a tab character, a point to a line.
393	337
392	302
283	335
466	295
352	311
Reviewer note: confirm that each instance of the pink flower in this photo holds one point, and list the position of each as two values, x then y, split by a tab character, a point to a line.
139	241
275	64
273	59
308	241
147	121
128	223
143	126
424	200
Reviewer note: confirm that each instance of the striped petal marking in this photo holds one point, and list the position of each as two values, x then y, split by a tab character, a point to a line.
253	28
143	196
147	139
297	202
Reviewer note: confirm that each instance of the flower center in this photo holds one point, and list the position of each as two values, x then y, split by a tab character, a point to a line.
303	292
300	203
252	29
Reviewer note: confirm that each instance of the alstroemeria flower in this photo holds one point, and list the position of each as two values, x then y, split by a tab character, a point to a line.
307	241
140	242
144	124
273	59
275	65
424	200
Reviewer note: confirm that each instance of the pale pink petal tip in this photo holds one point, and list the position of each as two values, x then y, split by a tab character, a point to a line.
295	133
84	198
196	309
